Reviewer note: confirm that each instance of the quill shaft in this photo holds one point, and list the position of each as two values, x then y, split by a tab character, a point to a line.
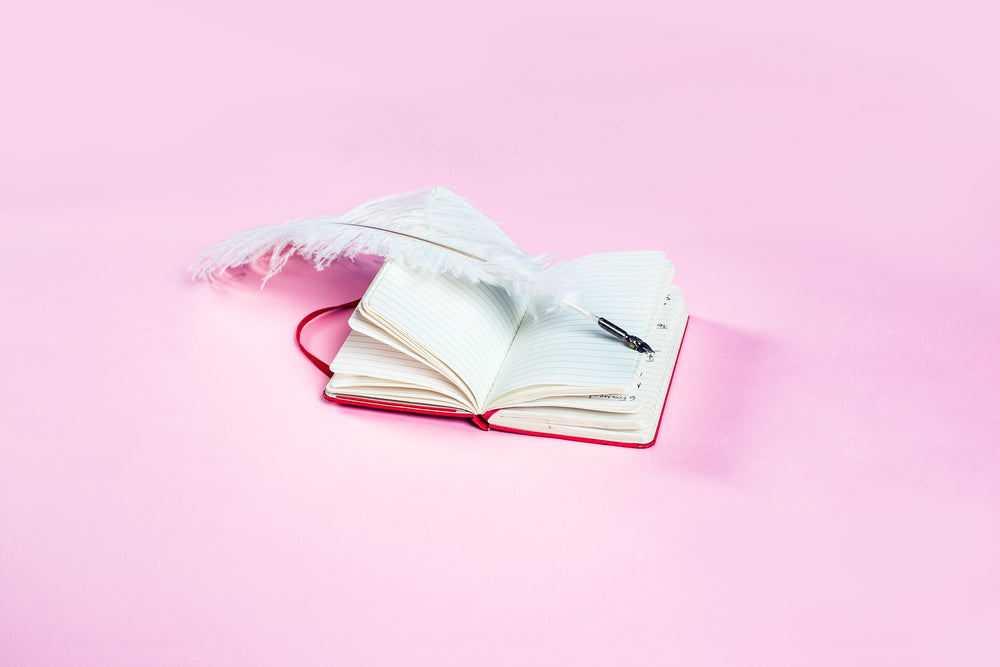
411	236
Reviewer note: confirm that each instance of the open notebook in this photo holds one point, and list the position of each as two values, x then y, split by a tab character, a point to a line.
438	345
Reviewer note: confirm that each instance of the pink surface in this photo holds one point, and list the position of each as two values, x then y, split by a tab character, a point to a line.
826	485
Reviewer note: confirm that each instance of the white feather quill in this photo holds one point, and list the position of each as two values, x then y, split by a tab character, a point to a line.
432	231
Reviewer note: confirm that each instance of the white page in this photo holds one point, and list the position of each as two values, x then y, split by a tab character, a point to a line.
566	349
632	427
363	361
668	325
467	327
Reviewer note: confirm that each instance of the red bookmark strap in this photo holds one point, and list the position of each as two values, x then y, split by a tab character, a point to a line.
317	362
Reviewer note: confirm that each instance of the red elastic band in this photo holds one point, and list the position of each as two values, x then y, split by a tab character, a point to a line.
317	362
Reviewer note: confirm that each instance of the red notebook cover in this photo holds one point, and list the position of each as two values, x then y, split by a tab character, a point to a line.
482	421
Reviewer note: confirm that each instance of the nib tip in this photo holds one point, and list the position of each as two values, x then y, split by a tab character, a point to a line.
638	344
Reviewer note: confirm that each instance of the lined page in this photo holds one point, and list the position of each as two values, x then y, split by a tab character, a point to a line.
466	327
663	338
629	427
566	349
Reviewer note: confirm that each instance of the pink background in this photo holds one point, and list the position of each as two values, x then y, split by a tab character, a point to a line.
826	485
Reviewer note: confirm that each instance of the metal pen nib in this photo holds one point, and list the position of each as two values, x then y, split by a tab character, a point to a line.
634	342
